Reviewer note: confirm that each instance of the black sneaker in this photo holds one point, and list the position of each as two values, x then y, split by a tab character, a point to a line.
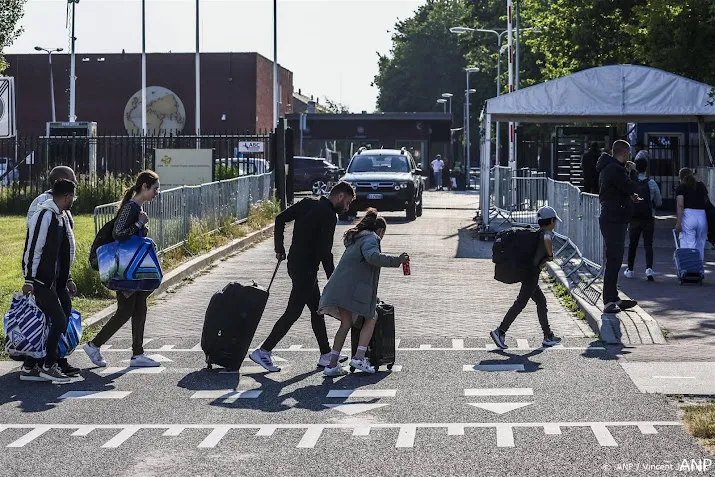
30	374
551	340
611	308
626	304
69	370
499	338
53	374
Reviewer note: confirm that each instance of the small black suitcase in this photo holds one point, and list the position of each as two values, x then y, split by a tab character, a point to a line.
688	263
381	350
231	320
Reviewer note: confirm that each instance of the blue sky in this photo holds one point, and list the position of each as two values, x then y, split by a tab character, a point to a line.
330	45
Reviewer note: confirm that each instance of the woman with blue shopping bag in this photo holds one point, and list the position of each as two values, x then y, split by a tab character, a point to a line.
135	259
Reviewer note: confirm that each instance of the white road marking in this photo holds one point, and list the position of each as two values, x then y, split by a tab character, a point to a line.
397	343
493	367
299	348
214	437
406	437
355	408
30	436
197	347
120	438
499	407
227	394
147	341
295	347
458	343
396	368
505	435
499	392
492	347
603	435
522	344
155	370
425	346
361	393
95	395
673	377
166	348
156	357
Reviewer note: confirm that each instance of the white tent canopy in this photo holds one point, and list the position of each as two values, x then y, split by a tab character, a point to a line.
616	93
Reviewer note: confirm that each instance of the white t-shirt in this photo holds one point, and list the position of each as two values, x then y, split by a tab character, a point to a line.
437	165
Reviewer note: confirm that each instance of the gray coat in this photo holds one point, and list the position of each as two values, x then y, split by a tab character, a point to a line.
353	285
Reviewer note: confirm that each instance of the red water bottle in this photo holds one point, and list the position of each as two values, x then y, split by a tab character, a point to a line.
406	268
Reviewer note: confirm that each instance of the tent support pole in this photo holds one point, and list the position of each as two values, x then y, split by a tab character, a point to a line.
485	167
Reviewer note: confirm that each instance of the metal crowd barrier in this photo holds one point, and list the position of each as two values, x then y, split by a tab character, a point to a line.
171	213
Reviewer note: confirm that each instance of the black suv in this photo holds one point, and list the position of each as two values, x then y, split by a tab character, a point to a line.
314	174
386	179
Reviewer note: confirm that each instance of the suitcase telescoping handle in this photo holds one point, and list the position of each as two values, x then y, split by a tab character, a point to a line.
275	272
675	237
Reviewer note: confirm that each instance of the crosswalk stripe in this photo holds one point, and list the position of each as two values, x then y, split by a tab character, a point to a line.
95	395
227	394
214	437
499	392
117	370
120	438
361	393
406	437
603	435
522	344
505	435
310	438
29	437
458	343
493	367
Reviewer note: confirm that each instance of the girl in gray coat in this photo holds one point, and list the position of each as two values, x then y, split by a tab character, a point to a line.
351	291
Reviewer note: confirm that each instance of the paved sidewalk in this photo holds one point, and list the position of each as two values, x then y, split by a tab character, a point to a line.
450	294
685	311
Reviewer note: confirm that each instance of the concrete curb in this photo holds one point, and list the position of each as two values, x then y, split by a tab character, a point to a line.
188	269
632	327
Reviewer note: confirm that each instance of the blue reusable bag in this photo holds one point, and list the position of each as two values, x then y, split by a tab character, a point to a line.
130	265
70	338
25	329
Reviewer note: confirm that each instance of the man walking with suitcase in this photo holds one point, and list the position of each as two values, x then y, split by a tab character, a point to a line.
312	245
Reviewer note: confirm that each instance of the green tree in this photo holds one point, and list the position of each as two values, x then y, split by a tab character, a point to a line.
335	107
677	37
11	12
425	61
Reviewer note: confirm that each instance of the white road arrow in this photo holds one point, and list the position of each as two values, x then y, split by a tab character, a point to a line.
499	407
354	408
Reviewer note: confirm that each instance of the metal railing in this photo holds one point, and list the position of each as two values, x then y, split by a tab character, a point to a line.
213	204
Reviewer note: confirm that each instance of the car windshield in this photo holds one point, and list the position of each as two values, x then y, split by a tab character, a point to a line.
381	163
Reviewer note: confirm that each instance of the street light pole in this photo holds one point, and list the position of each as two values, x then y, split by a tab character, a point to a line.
466	124
448	96
52	78
73	71
198	77
276	86
443	102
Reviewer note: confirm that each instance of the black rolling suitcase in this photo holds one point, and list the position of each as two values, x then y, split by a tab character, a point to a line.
381	350
231	320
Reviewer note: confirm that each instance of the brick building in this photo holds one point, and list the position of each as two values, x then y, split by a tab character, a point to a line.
236	91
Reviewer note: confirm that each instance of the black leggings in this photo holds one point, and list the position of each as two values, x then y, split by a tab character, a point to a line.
638	227
56	304
134	307
529	290
305	292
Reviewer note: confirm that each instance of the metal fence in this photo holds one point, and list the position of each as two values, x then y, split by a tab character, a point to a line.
213	204
104	163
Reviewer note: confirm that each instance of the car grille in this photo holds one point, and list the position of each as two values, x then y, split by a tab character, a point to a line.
367	186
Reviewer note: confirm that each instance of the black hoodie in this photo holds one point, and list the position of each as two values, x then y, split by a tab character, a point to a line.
615	189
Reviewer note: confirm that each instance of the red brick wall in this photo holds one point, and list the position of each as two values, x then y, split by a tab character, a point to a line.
264	92
229	85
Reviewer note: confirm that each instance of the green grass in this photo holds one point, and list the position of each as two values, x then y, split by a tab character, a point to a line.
92	295
563	294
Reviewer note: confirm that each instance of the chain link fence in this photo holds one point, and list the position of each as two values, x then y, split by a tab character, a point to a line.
213	204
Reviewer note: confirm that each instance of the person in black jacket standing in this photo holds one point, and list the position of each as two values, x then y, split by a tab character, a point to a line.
312	245
588	166
617	193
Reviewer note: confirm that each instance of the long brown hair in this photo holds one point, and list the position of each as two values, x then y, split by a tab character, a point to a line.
371	222
688	178
147	177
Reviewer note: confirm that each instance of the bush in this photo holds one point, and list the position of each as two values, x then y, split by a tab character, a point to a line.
198	240
224	172
87	279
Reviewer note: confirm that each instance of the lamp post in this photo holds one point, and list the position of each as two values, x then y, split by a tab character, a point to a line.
276	87
443	102
73	71
448	97
499	35
52	78
467	93
198	77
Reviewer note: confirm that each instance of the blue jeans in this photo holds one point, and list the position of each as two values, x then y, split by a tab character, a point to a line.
438	179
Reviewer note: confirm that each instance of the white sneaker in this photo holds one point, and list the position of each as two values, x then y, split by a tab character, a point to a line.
325	359
143	361
628	273
363	365
649	273
264	359
95	356
336	371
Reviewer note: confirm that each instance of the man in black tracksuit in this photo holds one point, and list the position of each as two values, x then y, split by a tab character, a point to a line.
46	262
617	192
312	245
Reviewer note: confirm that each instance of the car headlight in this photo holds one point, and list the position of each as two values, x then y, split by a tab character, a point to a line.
402	185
